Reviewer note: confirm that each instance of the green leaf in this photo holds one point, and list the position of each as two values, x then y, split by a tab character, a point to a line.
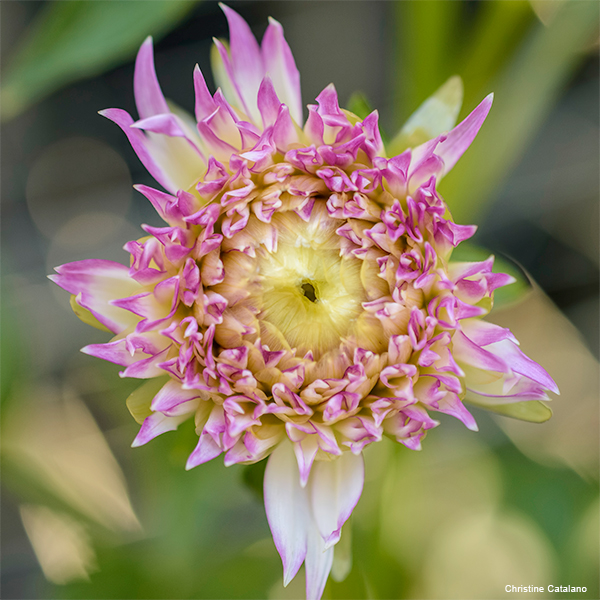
253	476
428	34
435	116
15	360
76	39
359	105
498	31
85	315
138	402
532	411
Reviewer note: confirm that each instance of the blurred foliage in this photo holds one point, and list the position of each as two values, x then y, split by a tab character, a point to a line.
505	49
204	532
13	359
79	38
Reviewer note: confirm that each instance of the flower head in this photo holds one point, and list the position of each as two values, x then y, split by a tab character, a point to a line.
300	301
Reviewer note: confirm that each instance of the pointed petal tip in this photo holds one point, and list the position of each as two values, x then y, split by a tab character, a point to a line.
229	12
333	539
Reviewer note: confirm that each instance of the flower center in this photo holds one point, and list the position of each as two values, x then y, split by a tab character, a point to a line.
304	293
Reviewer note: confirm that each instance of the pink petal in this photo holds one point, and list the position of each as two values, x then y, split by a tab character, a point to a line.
246	60
156	424
306	450
206	450
522	364
281	68
165	124
141	146
114	352
205	105
484	333
468	352
268	102
149	98
170	396
461	137
96	283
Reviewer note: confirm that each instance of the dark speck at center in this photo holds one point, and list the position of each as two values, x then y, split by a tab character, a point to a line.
309	291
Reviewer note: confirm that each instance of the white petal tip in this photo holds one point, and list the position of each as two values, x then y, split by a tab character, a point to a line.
332	541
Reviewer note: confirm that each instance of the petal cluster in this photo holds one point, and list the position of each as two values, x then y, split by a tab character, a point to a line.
300	299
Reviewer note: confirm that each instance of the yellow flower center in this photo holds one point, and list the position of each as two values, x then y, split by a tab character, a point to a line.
306	290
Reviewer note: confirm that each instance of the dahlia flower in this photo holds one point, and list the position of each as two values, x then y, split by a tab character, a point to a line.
300	302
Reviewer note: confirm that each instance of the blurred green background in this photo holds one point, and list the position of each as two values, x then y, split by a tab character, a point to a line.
86	516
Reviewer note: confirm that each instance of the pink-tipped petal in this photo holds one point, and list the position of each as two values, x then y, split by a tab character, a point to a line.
461	137
149	98
305	451
335	487
286	504
522	364
468	352
171	396
142	147
205	105
206	450
96	283
156	424
268	102
246	61
281	68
